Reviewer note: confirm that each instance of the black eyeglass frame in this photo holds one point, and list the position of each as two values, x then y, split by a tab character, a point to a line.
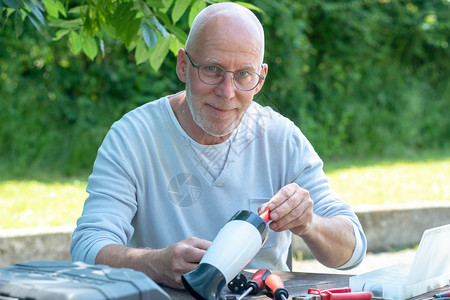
196	66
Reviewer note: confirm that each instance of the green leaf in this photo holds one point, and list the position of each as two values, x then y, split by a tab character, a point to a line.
61	8
160	28
54	8
149	35
75	42
109	30
159	52
250	6
175	45
89	47
197	7
18	23
141	54
12	4
167	5
122	15
33	20
125	23
35	10
39	5
179	33
179	9
67	24
51	8
162	16
132	32
155	3
60	33
77	10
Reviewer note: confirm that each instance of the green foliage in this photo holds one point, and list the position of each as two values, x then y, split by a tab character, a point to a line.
360	78
139	25
56	107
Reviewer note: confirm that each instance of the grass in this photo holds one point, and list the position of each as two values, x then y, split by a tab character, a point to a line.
33	203
43	199
387	182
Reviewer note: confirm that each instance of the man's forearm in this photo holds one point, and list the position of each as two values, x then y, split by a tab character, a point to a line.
331	240
164	266
119	256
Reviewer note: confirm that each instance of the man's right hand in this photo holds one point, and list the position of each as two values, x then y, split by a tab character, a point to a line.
164	266
177	259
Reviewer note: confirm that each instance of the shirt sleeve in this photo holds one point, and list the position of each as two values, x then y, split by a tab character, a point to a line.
359	251
111	204
308	173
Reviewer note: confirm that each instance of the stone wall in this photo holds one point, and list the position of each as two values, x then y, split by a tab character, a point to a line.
387	228
394	227
33	244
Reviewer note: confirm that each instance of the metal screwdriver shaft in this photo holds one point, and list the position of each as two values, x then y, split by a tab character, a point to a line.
256	283
245	294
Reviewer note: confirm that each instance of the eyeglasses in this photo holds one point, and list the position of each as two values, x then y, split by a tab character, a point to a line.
243	80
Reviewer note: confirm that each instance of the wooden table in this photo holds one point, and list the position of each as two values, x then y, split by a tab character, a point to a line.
297	284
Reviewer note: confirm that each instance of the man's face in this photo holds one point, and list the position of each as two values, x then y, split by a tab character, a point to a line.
218	109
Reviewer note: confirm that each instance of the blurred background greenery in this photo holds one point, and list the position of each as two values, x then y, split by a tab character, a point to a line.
361	79
367	81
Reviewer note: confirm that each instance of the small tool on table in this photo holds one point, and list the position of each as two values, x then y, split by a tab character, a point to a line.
275	286
334	294
443	295
256	283
238	284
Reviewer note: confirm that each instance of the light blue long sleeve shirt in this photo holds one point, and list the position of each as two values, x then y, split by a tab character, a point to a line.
150	188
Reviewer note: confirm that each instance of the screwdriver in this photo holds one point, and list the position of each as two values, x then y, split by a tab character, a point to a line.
275	286
256	283
265	215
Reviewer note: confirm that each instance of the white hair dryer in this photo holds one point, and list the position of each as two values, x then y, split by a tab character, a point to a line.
234	246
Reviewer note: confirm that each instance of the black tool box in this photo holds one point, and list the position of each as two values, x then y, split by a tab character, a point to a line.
61	280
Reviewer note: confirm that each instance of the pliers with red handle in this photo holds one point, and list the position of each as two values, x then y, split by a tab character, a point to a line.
334	294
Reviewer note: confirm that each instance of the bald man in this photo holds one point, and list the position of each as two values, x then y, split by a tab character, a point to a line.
172	172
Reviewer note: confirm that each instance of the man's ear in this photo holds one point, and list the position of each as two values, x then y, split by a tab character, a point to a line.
181	65
264	70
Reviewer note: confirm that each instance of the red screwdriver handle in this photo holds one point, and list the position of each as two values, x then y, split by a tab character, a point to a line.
275	286
257	282
260	276
273	282
265	215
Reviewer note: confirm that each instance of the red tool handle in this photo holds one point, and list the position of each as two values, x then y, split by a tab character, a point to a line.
259	277
334	290
348	296
275	286
340	294
265	215
256	284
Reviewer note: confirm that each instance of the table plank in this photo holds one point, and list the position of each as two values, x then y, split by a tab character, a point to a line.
297	283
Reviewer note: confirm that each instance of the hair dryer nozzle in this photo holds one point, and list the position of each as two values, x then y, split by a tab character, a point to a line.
235	245
205	282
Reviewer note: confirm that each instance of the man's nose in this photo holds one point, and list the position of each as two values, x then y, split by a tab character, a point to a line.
226	89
